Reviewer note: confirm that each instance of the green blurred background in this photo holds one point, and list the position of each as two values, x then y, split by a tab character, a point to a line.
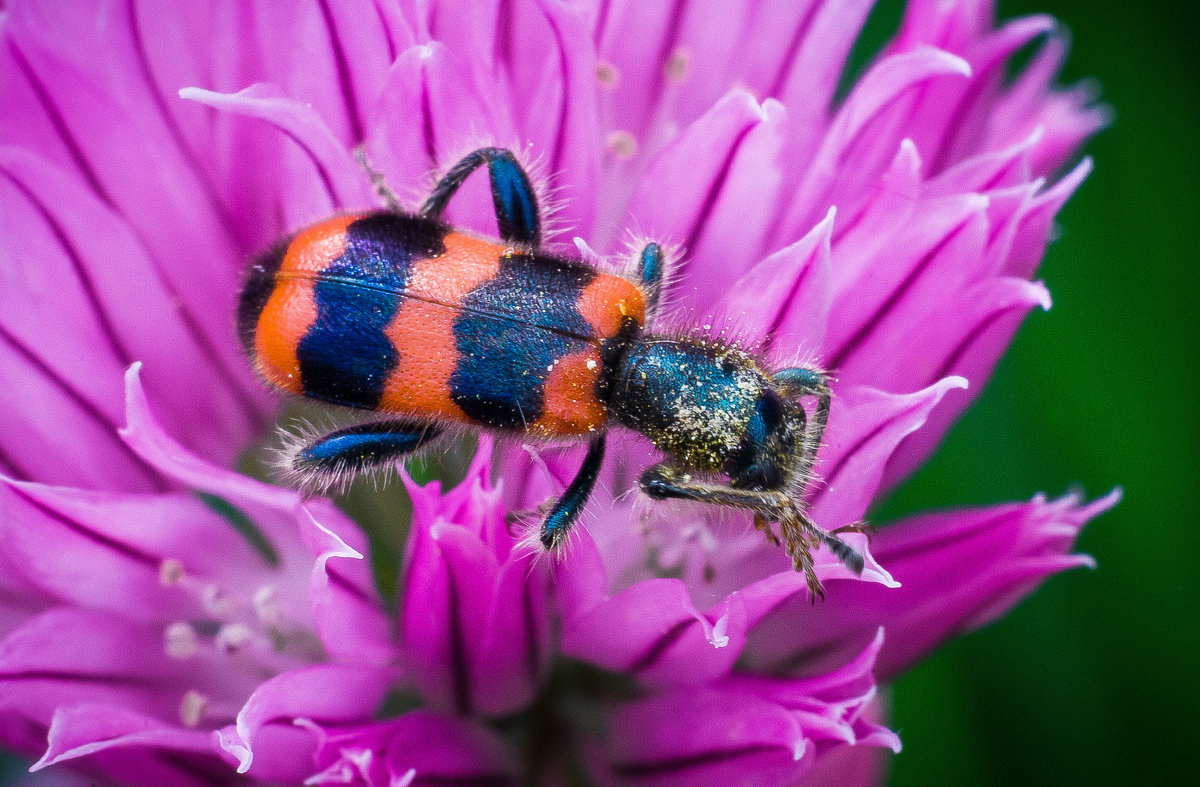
1094	679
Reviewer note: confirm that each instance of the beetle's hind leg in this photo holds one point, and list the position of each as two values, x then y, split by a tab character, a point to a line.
512	193
332	460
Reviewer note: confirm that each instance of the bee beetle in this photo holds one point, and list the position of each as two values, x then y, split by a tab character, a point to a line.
401	313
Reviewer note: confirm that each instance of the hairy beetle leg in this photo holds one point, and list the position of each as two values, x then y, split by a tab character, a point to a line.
335	458
377	180
799	533
513	194
763	524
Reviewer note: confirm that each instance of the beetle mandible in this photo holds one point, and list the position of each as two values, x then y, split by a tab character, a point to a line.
402	313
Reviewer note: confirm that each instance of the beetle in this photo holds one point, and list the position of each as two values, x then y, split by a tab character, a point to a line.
401	313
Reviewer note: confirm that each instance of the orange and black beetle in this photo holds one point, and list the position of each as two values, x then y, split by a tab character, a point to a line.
401	313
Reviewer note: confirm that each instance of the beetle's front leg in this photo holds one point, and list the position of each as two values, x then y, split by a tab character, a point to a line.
799	382
664	481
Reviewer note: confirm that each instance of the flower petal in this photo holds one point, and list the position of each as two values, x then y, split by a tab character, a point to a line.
864	429
346	608
692	170
431	111
561	108
72	655
72	308
145	435
706	736
958	569
128	745
328	693
783	301
109	551
316	155
427	748
331	56
653	631
882	99
108	125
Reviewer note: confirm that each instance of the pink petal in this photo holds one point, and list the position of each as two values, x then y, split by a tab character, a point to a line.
784	300
966	342
67	296
326	693
108	551
692	171
863	132
432	112
130	746
74	655
1037	221
833	708
433	749
958	570
865	427
930	262
109	127
653	631
560	107
321	175
705	736
346	607
332	56
146	437
865	234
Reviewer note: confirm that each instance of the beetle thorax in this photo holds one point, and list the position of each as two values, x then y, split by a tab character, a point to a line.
692	398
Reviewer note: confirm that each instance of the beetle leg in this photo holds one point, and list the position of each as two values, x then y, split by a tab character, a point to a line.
799	382
566	509
650	271
800	533
763	524
377	181
334	459
512	194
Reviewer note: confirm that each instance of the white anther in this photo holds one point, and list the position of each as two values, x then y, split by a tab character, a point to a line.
621	144
216	602
266	605
232	637
170	572
192	708
179	640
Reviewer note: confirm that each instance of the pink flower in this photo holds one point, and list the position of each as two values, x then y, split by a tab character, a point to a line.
168	620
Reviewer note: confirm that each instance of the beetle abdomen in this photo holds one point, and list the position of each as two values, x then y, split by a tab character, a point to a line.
391	312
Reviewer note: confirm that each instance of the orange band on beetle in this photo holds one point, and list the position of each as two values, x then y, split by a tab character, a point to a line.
607	301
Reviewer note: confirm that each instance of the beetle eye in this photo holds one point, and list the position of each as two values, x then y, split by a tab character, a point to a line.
768	417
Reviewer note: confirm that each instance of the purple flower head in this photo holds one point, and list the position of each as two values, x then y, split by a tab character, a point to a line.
166	619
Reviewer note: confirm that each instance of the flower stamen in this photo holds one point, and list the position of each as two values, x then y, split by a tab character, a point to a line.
192	708
180	640
621	144
170	572
607	74
678	66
